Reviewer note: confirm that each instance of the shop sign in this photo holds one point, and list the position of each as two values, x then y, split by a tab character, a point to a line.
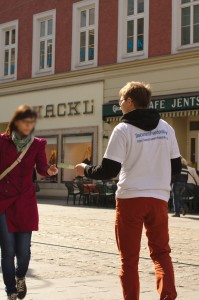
75	108
176	104
162	105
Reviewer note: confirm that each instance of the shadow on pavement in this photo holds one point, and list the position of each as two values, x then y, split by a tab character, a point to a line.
193	218
54	201
62	202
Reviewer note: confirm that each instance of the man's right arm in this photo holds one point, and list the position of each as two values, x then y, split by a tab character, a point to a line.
176	164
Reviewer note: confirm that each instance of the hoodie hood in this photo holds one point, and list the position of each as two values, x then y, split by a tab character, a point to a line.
145	119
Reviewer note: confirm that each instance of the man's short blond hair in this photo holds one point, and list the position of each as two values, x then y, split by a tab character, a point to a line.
139	92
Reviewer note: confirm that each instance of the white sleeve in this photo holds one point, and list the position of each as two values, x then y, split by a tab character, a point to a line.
195	175
174	151
116	149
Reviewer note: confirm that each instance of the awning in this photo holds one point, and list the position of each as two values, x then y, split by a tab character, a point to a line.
185	113
169	106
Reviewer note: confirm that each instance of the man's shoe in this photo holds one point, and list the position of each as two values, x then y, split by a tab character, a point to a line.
21	288
12	297
176	215
185	211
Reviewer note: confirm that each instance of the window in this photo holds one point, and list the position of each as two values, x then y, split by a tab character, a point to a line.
51	153
133	29
8	51
194	125
76	149
85	34
44	43
185	24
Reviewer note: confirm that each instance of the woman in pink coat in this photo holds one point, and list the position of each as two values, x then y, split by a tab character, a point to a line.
18	205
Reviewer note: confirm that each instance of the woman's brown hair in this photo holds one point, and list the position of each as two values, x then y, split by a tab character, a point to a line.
22	112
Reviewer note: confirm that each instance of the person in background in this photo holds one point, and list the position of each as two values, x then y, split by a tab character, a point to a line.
143	148
179	185
18	206
193	184
193	178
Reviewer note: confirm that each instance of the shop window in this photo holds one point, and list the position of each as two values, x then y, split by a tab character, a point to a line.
44	43
194	125
185	24
85	34
8	50
51	153
75	149
133	29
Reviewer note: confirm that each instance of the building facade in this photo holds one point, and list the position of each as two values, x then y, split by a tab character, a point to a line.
69	60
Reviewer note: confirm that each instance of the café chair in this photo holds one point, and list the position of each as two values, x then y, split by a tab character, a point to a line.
84	194
71	191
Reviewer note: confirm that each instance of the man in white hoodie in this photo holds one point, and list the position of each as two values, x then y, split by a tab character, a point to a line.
143	148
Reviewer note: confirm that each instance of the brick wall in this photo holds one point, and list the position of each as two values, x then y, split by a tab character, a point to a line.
160	18
108	25
159	30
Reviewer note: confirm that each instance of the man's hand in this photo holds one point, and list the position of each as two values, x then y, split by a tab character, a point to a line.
52	171
80	169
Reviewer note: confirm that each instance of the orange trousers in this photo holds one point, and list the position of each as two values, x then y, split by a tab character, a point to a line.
131	215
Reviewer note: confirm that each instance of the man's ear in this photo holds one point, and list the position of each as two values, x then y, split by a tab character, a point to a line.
130	102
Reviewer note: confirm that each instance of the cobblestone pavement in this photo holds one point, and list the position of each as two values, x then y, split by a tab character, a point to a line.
74	256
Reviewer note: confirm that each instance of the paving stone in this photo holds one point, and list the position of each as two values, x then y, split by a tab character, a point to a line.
74	256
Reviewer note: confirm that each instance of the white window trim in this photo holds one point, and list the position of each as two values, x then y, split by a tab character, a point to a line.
122	56
36	72
4	27
75	64
176	30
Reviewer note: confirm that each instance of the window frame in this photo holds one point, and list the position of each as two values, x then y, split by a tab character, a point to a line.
3	28
37	19
122	55
76	29
46	137
176	27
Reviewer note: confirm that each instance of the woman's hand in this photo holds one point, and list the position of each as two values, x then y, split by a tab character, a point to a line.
80	169
52	171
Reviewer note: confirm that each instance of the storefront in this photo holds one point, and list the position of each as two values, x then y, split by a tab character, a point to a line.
78	111
180	110
70	119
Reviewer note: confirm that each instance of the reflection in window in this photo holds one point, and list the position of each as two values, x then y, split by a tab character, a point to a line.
140	6
75	149
46	44
87	35
135	26
140	34
186	25
196	24
130	7
130	36
9	52
51	153
189	22
82	46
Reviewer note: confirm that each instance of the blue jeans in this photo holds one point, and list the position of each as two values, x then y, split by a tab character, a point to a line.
178	201
13	244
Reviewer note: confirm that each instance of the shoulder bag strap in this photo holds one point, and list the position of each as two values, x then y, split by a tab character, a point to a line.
17	161
193	178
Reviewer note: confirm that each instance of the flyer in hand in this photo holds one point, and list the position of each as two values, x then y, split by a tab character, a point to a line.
65	166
